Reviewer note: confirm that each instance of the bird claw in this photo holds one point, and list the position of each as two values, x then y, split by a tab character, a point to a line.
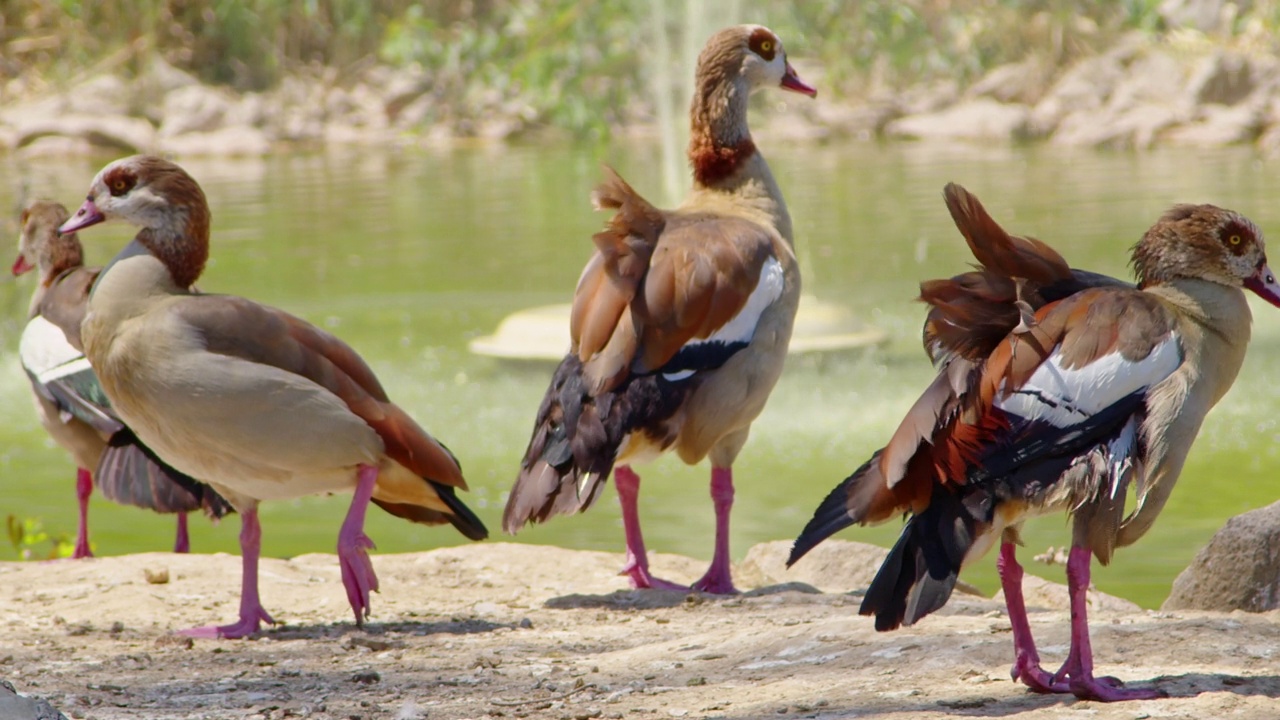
642	580
715	584
358	576
1036	678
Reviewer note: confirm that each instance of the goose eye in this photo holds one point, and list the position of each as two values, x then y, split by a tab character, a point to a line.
766	46
1234	239
118	186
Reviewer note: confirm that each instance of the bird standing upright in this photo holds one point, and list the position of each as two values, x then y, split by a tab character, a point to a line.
69	401
1057	390
258	403
680	320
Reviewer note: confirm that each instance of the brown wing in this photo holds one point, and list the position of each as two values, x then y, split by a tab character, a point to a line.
242	328
658	281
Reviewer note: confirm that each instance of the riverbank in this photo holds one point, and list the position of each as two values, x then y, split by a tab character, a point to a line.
507	630
1183	88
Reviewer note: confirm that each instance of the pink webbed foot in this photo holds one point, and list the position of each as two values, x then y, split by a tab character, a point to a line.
252	615
641	579
715	583
358	576
1028	671
250	623
1109	689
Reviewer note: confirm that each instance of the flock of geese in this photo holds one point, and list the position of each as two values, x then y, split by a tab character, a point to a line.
1056	390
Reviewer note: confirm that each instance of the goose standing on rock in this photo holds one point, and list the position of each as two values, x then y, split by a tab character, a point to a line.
1057	390
260	404
680	321
68	398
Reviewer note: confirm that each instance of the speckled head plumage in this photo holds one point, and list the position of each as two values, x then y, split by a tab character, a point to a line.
735	62
41	246
161	198
1206	242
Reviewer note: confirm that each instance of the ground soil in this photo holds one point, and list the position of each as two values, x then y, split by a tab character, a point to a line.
510	631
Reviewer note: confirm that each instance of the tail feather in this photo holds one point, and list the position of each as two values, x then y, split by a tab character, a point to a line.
460	516
838	510
997	250
920	571
130	473
576	438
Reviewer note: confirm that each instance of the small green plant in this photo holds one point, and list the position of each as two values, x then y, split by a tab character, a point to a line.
27	535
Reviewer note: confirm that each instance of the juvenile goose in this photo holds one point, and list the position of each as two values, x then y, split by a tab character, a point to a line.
680	320
1100	390
259	403
68	398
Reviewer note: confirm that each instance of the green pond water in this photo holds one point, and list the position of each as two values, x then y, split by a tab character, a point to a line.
409	255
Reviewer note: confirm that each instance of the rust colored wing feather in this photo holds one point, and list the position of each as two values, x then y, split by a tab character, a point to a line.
242	328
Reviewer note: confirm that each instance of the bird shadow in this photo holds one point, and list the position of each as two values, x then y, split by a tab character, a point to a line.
653	599
371	631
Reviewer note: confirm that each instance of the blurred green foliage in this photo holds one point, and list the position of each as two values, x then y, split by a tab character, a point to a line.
29	540
567	63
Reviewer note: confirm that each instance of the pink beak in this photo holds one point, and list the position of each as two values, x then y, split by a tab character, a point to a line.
22	265
791	81
87	215
1263	283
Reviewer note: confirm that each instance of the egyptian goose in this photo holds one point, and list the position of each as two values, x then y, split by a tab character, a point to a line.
68	399
680	321
258	403
1085	395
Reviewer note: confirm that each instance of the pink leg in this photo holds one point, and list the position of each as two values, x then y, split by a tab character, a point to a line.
251	612
1026	661
353	544
84	488
182	541
637	564
718	580
1078	669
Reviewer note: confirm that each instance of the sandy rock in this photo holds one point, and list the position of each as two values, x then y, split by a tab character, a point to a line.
1238	570
103	95
1154	78
54	146
837	566
1203	15
116	132
249	111
933	97
402	87
1137	127
1022	82
193	109
1223	78
16	707
1083	88
980	119
863	122
1220	125
229	141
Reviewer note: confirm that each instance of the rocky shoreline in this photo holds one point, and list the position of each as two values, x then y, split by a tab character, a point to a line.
1178	89
504	630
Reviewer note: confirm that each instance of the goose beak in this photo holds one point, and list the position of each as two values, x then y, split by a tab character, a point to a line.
1263	284
791	81
87	215
22	265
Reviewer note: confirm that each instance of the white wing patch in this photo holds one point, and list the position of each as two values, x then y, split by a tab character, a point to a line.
742	327
1065	397
46	354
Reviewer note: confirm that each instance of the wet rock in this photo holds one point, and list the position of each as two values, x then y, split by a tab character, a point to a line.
1220	125
1238	570
860	121
980	119
1022	82
193	109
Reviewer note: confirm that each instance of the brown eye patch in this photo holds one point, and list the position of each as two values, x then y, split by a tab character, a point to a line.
763	43
1236	237
120	181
